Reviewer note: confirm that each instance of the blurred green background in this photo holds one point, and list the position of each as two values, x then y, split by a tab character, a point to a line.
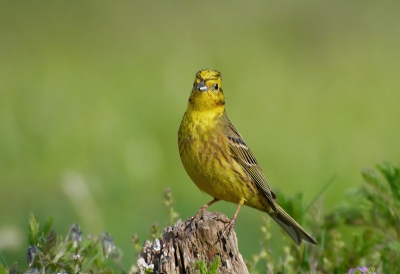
92	94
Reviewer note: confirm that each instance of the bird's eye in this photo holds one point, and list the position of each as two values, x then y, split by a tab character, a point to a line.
216	87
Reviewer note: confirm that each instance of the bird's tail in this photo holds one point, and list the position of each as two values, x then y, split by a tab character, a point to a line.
295	231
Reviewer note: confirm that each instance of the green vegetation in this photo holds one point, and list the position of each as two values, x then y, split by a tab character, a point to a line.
52	253
212	269
371	211
371	215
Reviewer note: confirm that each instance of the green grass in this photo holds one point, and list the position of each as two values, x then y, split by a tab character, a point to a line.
92	94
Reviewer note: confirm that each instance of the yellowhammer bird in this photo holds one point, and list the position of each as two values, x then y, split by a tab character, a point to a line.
218	160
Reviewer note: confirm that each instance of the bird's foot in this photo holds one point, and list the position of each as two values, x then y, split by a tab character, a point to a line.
199	213
196	217
231	224
227	230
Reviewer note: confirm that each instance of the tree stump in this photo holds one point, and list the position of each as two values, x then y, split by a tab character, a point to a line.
184	244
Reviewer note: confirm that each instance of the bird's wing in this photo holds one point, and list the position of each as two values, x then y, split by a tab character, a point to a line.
243	156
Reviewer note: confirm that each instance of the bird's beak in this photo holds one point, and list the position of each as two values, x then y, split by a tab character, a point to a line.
202	86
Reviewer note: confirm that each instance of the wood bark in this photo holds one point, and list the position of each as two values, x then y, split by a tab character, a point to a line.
184	244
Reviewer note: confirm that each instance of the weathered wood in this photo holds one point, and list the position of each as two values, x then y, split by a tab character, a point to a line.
186	243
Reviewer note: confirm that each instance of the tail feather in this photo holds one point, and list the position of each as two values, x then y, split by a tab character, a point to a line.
295	231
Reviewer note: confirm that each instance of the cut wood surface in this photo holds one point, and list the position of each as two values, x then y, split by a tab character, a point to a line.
184	244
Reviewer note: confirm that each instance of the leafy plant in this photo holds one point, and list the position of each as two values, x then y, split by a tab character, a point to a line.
371	211
51	253
212	269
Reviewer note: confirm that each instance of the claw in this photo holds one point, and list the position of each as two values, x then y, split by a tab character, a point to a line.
201	212
227	230
231	223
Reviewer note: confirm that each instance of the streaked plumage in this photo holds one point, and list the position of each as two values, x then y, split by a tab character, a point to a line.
218	160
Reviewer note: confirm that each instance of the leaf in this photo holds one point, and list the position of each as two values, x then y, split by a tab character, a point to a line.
51	240
47	226
201	265
33	230
214	265
392	175
370	176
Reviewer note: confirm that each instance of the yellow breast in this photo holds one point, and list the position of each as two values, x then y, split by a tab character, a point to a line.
206	158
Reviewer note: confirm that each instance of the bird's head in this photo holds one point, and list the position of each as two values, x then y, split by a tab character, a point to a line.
207	92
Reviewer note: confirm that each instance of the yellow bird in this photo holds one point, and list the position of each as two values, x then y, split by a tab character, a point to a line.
218	160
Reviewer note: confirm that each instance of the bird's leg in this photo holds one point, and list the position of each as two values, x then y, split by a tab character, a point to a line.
202	210
232	222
